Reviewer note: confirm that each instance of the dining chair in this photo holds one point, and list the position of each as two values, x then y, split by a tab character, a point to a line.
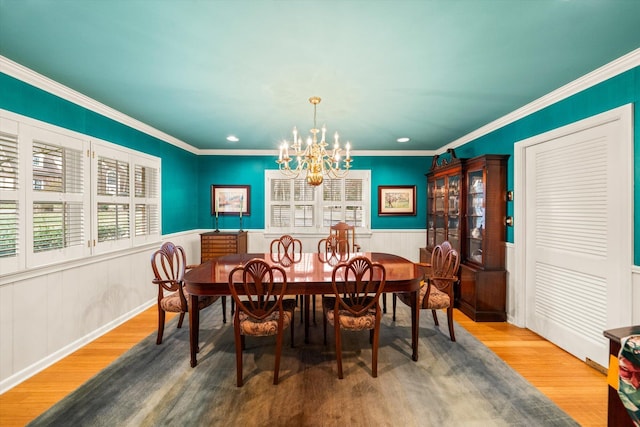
287	246
287	250
357	285
334	248
436	288
261	309
169	264
346	233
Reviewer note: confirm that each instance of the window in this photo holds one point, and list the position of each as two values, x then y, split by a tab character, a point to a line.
294	206
127	197
10	198
58	198
64	196
147	202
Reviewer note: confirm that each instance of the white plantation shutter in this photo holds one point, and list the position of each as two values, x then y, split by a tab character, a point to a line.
59	197
127	201
9	196
304	196
113	201
57	225
146	197
8	228
64	197
293	206
344	200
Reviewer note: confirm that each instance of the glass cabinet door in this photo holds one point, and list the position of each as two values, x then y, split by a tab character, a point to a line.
453	212
431	226
439	212
475	215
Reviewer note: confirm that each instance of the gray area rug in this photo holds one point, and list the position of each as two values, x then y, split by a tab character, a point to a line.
453	384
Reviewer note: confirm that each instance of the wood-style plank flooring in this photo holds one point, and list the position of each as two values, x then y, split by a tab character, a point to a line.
574	386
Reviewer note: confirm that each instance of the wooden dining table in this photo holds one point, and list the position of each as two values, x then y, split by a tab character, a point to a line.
307	274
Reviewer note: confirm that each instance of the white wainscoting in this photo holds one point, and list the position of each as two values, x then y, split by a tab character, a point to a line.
49	313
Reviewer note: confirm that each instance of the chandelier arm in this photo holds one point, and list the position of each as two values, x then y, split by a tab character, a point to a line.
314	160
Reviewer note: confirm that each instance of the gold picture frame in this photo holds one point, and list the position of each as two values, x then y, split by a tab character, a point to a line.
396	200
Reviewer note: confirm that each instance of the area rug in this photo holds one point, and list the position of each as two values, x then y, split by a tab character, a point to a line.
459	383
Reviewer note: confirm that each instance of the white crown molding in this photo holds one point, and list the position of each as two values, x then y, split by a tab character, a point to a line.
29	76
274	153
607	71
618	66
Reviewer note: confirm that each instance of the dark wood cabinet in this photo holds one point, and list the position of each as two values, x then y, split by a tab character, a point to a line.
466	205
215	244
483	278
445	204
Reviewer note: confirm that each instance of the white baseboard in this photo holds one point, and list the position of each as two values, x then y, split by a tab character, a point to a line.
41	364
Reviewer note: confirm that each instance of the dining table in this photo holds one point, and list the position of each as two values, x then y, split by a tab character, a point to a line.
307	274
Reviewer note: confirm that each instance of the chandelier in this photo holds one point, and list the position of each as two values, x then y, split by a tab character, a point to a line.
313	159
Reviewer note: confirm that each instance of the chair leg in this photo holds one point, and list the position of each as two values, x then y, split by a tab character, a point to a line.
301	309
374	348
293	321
276	369
313	305
394	303
435	317
160	325
224	309
450	321
384	303
338	348
239	348
324	323
180	320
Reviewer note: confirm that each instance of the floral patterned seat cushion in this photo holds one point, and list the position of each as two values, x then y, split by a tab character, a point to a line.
171	302
268	326
348	320
437	298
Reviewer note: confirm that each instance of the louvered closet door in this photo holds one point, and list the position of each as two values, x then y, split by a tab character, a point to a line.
573	234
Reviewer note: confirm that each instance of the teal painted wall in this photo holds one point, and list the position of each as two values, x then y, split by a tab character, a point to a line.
179	194
249	170
612	93
187	206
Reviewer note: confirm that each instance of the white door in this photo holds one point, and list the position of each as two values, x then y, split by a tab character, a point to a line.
578	234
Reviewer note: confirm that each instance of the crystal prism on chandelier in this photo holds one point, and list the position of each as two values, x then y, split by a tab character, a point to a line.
313	159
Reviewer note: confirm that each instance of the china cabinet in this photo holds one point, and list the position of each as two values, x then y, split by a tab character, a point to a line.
482	271
444	205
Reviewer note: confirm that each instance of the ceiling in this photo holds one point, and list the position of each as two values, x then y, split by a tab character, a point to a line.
431	70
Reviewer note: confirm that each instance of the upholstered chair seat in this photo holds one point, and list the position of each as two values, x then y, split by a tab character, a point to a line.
436	290
258	290
171	302
357	285
169	264
437	299
347	319
269	325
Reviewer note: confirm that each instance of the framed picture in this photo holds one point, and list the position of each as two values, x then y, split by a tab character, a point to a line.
397	200
230	200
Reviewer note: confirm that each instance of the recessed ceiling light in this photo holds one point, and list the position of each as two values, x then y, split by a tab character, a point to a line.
233	138
403	139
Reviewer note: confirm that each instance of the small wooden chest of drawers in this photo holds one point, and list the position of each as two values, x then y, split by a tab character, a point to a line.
216	244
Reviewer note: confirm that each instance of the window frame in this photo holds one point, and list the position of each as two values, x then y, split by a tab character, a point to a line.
318	227
27	130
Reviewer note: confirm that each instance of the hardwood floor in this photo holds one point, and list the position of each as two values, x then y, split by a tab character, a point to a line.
574	386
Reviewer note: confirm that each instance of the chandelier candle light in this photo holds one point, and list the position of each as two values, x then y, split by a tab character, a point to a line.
314	158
